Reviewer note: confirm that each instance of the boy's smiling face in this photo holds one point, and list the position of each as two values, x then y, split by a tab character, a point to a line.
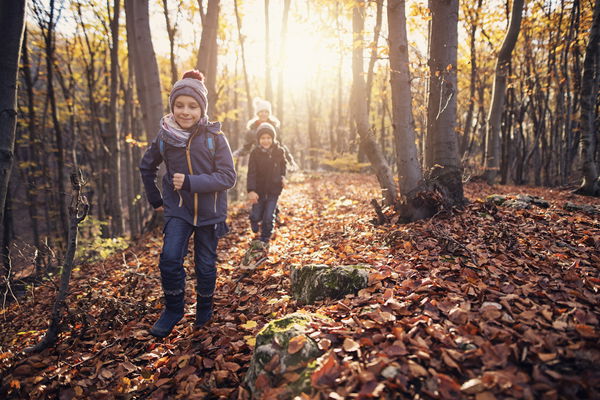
187	111
265	140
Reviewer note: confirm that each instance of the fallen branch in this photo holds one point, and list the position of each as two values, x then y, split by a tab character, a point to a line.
78	210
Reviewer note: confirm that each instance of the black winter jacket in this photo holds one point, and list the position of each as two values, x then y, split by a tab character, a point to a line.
266	169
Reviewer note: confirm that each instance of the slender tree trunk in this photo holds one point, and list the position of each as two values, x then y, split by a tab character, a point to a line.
207	60
374	52
359	107
113	134
279	111
441	148
268	68
313	136
409	169
141	51
58	131
492	156
12	15
32	155
464	143
171	31
241	39
589	93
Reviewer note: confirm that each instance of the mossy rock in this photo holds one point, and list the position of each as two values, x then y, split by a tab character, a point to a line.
497	199
272	359
317	282
518	204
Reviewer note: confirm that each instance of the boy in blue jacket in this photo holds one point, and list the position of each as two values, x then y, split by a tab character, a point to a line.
266	179
194	197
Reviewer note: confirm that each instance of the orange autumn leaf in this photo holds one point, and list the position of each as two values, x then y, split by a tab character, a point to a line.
296	344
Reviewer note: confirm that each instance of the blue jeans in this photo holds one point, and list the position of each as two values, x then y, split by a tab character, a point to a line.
177	233
264	212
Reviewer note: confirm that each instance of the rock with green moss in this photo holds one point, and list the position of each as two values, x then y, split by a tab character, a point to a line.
317	282
497	199
274	356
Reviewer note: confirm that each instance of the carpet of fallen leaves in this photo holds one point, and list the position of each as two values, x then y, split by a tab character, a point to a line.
488	302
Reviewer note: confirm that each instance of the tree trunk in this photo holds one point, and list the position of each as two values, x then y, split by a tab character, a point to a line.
269	84
441	147
359	107
32	156
141	50
279	111
12	15
171	31
374	52
492	156
464	143
58	132
241	39
113	134
589	92
207	60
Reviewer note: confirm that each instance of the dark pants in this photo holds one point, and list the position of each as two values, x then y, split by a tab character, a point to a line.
177	233
263	213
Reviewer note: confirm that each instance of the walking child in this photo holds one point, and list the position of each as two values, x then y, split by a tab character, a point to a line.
266	179
263	113
194	197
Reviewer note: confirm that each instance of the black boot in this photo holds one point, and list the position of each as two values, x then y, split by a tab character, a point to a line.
204	310
170	316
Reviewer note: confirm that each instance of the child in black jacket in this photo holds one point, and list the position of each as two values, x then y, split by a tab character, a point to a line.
266	179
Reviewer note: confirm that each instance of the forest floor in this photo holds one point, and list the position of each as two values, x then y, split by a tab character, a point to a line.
487	302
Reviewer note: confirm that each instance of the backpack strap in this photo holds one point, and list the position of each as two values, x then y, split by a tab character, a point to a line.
161	148
212	146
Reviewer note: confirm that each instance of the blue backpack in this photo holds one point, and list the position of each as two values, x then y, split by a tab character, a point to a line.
210	143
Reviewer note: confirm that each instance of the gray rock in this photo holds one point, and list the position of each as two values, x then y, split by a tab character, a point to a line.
317	282
496	199
518	204
587	209
272	359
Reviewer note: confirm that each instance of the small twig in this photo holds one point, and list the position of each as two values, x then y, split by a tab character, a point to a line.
87	359
460	245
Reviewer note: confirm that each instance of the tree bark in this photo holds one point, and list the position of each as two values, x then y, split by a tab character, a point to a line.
113	134
269	84
207	60
12	15
374	52
409	169
32	155
492	156
441	146
590	185
279	111
242	39
359	107
146	68
171	31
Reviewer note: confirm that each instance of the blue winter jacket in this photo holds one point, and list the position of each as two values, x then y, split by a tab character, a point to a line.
210	174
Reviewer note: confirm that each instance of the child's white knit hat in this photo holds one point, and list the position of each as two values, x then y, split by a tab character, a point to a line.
261	105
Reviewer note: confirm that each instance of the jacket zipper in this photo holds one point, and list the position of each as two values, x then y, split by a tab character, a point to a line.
215	204
189	161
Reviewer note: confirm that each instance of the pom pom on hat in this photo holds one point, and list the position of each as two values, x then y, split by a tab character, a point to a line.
193	73
261	105
191	84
